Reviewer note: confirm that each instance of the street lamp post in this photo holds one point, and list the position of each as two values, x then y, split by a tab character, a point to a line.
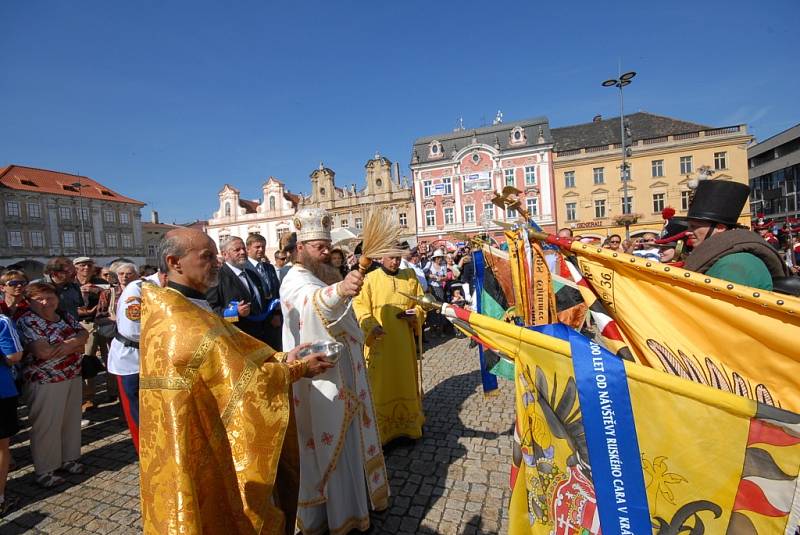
80	187
620	82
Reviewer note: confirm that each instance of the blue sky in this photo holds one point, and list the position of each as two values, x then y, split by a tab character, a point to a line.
165	101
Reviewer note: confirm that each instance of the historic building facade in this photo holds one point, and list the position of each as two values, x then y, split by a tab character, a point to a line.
349	207
455	176
667	158
269	216
49	213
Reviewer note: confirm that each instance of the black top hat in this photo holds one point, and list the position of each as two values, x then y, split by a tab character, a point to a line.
674	230
718	201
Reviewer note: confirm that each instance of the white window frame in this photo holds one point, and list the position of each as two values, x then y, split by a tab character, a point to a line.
511	213
685	196
659	201
449	215
573	208
152	249
359	222
657	168
68	239
487	208
469	213
111	239
108	216
15	238
510	177
448	185
628	204
124	218
532	204
686	165
126	240
720	161
598	175
530	175
12	209
34	210
37	238
402	217
569	179
430	217
426	188
65	213
83	214
345	222
86	238
599	208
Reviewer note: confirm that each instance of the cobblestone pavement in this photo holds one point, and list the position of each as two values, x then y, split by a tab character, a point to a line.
453	480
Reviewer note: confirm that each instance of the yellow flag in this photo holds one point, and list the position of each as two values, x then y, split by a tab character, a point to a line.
705	461
736	338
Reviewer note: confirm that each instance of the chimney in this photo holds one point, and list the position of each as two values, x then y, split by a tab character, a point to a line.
397	172
154	217
597	118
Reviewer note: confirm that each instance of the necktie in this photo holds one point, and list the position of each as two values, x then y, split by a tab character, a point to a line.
262	270
251	288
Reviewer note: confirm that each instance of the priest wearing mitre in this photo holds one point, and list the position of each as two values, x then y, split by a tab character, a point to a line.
342	470
218	447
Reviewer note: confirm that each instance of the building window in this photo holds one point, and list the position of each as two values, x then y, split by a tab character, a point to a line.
227	209
152	250
359	223
69	239
127	241
345	222
426	188
720	160
488	210
271	204
83	214
686	165
569	179
448	185
510	181
627	204
65	213
449	215
34	210
530	176
15	238
469	213
599	208
597	175
626	172
658	168
403	219
685	196
86	238
124	218
658	202
572	213
12	208
37	238
532	203
511	213
430	217
108	216
111	240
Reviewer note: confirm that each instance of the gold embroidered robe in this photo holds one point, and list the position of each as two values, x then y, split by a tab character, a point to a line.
216	428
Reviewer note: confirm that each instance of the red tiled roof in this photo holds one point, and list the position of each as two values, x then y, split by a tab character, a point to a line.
22	178
250	206
292	198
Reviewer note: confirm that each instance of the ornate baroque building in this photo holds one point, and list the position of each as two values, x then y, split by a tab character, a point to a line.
349	207
271	215
456	174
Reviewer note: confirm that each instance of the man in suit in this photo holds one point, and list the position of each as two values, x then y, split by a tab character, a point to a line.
260	265
238	282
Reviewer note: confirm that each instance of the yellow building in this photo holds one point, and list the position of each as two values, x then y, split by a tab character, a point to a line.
666	158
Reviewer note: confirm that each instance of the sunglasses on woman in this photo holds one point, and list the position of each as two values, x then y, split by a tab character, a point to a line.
16	283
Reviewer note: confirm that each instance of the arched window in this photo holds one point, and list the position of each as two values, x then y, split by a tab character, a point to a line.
272	204
227	209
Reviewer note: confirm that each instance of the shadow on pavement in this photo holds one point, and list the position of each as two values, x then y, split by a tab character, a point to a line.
418	470
22	524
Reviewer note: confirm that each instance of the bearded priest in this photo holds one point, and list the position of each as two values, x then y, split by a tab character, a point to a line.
218	446
342	470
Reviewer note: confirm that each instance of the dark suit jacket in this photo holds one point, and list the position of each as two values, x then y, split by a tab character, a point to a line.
231	288
270	282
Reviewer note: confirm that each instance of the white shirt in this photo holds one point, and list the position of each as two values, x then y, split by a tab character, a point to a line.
405	264
251	289
124	360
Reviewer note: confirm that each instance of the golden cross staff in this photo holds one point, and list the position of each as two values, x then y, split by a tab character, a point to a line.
509	198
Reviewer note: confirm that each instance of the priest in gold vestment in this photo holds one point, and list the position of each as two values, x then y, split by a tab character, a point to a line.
217	439
391	323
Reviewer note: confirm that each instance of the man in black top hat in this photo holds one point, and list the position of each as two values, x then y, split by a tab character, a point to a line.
721	248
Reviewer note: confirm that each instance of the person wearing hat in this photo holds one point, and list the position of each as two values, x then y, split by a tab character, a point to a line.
720	248
672	243
342	469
